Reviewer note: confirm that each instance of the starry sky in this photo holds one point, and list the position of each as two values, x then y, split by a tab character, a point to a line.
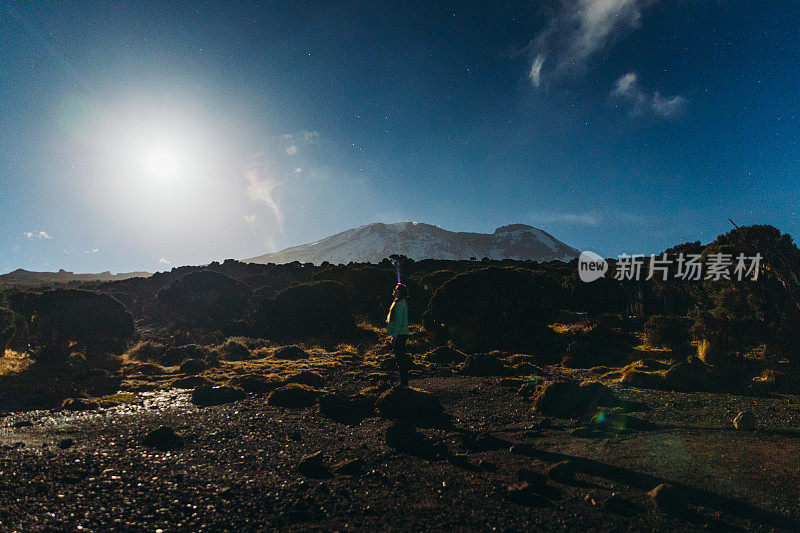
147	135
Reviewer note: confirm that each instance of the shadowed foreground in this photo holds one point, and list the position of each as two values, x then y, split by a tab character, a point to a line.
490	467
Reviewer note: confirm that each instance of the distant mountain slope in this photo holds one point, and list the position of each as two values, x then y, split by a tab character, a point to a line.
26	277
374	242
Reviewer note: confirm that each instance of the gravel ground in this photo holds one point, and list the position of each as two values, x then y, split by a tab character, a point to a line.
237	470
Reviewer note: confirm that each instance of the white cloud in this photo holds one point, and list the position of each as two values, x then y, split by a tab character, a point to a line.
291	150
536	70
298	170
643	101
261	188
249	218
38	235
163	261
579	30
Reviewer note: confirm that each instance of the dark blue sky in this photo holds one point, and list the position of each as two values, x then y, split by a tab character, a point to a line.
146	135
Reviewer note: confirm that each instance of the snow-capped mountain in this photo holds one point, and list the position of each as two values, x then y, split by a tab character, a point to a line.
374	242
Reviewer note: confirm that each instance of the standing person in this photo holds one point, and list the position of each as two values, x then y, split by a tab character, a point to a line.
397	327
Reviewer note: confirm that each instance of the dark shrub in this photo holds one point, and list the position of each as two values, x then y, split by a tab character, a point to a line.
6	328
235	351
607	341
318	309
95	321
735	316
667	331
205	299
178	354
369	288
488	308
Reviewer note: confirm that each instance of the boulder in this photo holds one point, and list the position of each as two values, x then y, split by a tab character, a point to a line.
444	355
570	399
690	375
205	395
413	405
484	364
294	395
193	366
404	437
163	439
346	409
255	383
191	382
307	377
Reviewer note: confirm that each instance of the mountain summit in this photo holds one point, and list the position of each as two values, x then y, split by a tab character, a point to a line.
374	242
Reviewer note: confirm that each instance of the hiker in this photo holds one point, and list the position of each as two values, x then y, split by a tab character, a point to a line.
397	327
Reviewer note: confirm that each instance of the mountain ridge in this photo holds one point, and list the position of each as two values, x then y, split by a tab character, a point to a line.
371	243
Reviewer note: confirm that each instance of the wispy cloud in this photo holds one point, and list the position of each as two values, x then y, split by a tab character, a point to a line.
583	219
261	188
163	261
37	235
578	31
291	149
642	101
309	136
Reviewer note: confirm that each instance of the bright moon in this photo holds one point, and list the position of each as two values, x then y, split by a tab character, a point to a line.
162	164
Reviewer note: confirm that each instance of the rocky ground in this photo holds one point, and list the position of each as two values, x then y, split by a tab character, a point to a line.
490	462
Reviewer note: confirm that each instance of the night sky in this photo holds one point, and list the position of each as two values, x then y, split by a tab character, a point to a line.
146	135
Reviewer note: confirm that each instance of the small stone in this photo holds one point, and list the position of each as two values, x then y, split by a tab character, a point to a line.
353	467
79	404
486	465
563	471
460	460
667	497
745	420
313	466
535	479
163	439
524	494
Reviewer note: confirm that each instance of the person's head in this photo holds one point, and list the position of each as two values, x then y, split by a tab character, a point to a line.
400	291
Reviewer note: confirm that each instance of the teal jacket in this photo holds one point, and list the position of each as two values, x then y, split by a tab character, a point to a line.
397	321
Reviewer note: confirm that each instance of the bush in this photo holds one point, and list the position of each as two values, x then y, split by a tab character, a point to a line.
95	321
369	288
313	310
667	331
204	299
495	308
6	328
